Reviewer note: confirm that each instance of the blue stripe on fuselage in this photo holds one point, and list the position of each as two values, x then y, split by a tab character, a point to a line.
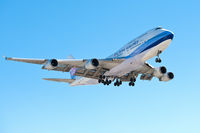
152	42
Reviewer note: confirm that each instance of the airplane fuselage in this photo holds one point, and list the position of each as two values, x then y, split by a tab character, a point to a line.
139	50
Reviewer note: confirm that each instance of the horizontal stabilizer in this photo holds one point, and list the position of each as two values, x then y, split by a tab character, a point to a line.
60	80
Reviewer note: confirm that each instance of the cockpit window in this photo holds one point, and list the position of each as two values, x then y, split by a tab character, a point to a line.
158	28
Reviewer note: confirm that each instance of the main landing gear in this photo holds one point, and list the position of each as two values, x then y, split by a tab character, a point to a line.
158	59
132	82
104	80
118	82
107	81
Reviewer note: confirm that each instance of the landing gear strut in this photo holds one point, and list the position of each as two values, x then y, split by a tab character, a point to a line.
158	59
132	82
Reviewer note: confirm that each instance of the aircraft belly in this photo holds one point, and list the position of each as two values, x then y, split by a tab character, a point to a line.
125	67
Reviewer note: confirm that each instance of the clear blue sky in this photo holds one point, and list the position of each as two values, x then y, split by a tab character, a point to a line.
88	29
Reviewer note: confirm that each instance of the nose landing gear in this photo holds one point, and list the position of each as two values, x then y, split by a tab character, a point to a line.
158	59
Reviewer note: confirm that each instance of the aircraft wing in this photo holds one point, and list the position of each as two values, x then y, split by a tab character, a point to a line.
65	65
33	61
74	62
147	71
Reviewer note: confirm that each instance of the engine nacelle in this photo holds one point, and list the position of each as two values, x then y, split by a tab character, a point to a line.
51	64
92	64
159	71
166	77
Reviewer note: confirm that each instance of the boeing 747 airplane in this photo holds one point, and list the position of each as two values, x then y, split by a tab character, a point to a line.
125	65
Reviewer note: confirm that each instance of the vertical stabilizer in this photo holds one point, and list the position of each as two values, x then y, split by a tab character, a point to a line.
72	72
70	57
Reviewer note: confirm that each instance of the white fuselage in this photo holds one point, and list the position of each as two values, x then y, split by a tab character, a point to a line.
135	53
139	50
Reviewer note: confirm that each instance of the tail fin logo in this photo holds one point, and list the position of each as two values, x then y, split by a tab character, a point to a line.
72	72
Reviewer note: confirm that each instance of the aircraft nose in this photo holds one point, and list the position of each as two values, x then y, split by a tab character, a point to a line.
171	35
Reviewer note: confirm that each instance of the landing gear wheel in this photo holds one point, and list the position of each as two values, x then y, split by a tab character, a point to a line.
99	80
107	82
131	83
117	83
158	60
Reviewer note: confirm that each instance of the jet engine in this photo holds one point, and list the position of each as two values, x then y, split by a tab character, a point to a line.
166	77
51	64
92	64
159	71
